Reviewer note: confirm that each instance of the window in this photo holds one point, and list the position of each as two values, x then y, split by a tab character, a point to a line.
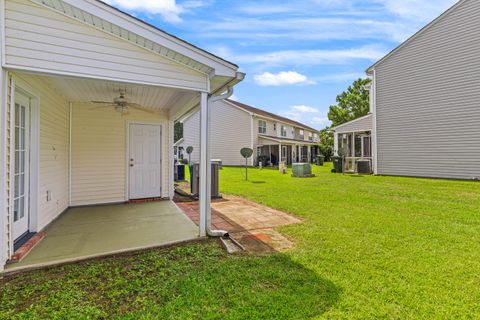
283	131
262	126
310	136
302	134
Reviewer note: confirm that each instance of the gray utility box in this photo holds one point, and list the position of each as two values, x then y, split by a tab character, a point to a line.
302	170
195	179
364	167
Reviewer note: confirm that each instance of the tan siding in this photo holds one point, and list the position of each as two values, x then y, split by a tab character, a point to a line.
37	37
99	140
54	145
427	101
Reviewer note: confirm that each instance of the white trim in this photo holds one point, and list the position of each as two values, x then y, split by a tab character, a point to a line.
292	142
123	20
370	114
171	158
127	153
2	30
421	31
46	72
3	166
374	123
204	163
12	161
70	122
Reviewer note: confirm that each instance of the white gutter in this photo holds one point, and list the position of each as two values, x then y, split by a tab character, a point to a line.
70	155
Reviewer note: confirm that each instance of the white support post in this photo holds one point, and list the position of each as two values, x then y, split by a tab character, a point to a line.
279	154
353	151
205	179
300	155
171	160
309	154
335	144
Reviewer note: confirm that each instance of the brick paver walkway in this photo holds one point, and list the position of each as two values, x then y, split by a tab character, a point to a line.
250	223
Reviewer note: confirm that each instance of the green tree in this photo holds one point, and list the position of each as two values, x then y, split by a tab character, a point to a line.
178	131
351	104
326	143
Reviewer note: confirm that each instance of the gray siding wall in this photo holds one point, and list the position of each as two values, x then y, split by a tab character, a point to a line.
361	124
428	101
231	130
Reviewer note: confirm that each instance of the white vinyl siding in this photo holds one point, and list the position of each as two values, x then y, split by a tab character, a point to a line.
41	39
428	97
53	166
191	136
99	153
231	130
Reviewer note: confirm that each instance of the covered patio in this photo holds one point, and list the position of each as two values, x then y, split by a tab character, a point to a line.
276	149
88	120
353	141
87	232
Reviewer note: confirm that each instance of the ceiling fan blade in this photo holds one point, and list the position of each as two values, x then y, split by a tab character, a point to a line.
104	106
139	107
102	102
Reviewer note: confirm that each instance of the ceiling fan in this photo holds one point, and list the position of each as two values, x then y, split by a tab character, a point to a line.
121	104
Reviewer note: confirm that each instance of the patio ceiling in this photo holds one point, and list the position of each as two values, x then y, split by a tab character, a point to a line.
79	90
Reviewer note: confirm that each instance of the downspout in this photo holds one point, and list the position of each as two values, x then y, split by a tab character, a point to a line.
211	232
70	154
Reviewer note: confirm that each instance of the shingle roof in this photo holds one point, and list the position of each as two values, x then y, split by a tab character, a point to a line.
267	114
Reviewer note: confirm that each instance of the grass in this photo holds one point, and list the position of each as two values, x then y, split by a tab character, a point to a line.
369	247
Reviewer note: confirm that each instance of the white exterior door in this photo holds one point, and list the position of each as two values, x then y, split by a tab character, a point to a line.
21	198
145	161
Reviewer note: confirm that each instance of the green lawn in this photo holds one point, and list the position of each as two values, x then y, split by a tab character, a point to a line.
369	247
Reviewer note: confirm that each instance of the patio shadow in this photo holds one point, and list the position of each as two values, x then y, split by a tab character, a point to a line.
188	282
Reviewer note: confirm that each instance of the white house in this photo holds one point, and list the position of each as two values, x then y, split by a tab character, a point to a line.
235	125
88	99
425	100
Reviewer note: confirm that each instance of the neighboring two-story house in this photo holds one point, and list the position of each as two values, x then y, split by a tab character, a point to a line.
235	125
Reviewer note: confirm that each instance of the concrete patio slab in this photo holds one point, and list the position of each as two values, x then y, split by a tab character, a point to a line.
87	232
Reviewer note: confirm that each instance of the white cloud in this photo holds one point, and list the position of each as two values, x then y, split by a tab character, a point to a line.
322	121
234	97
280	79
419	11
303	114
168	9
304	109
312	57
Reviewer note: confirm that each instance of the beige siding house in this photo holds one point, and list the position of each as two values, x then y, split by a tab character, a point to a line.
88	99
426	97
236	125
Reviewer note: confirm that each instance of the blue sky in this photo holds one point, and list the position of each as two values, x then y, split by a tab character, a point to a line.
298	55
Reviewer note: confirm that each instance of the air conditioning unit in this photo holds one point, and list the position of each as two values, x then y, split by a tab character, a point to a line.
302	170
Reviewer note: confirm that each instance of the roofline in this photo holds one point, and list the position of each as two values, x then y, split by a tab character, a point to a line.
279	139
298	124
418	33
128	18
352	121
167	33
